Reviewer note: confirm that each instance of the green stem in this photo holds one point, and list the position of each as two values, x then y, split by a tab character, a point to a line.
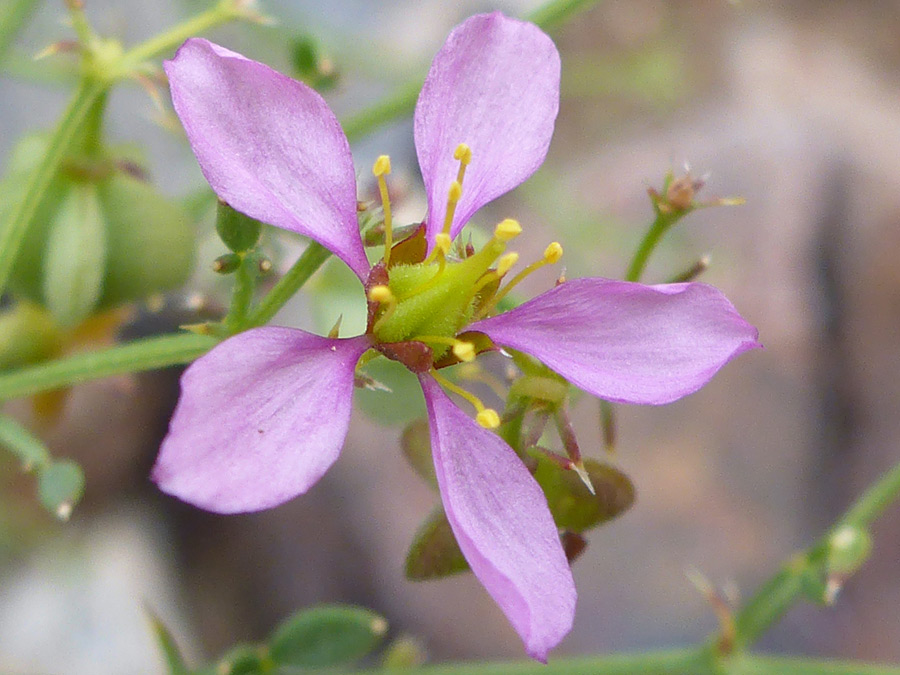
140	355
242	293
778	594
769	665
13	18
222	13
677	662
311	260
648	244
13	233
20	441
402	102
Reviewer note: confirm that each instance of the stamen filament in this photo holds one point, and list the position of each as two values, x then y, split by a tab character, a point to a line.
486	417
381	168
552	254
453	197
383	296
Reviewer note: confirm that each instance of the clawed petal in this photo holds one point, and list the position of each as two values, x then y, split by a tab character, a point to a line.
268	145
502	523
627	342
261	417
494	86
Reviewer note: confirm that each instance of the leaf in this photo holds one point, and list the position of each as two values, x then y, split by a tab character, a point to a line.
330	635
175	663
60	487
241	660
434	552
573	507
75	260
416	445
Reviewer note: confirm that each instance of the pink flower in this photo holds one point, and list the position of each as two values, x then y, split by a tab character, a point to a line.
264	414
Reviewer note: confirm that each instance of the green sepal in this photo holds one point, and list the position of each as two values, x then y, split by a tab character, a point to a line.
175	663
238	232
60	487
326	636
434	552
573	507
75	258
416	445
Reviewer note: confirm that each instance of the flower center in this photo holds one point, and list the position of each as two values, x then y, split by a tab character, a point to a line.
431	300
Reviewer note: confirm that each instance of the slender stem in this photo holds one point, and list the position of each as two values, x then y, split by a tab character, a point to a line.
553	14
639	262
677	662
778	594
242	293
401	103
768	665
311	260
12	19
16	226
132	357
221	13
22	442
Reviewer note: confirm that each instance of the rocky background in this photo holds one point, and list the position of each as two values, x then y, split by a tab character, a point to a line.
794	106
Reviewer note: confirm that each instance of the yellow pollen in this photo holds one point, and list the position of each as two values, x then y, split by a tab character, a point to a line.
506	263
507	230
463	153
553	252
488	418
382	165
381	168
464	351
381	294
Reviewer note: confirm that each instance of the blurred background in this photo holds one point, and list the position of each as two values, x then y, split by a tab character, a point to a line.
794	106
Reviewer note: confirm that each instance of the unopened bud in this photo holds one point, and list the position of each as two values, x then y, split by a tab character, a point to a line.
226	264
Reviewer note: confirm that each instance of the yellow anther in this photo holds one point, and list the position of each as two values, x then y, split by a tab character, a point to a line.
382	166
443	242
463	153
381	294
455	192
507	230
464	351
381	169
488	418
506	262
553	252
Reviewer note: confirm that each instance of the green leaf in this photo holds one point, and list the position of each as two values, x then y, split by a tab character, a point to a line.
242	660
434	552
416	445
330	635
573	507
75	260
60	487
175	663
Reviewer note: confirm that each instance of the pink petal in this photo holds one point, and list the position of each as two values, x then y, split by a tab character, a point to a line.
268	145
627	342
500	518
261	417
494	86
